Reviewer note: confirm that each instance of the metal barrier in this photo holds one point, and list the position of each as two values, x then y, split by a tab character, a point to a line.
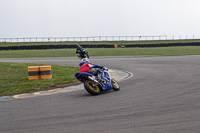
78	39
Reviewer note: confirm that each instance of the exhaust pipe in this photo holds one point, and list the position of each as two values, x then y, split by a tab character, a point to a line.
93	79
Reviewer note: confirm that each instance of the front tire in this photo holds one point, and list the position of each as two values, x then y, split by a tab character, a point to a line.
91	87
115	85
86	55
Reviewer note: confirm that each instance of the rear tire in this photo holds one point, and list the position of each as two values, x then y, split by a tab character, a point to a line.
90	88
115	85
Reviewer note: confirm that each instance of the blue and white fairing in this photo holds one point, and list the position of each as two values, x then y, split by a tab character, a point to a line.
105	75
83	76
77	75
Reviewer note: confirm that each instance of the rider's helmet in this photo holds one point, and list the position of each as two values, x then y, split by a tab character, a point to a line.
85	60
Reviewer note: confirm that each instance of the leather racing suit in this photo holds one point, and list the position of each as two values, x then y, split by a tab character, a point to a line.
86	67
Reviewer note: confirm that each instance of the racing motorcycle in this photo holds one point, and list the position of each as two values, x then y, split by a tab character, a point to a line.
81	53
97	84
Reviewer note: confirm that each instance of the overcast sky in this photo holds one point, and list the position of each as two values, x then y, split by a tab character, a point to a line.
73	18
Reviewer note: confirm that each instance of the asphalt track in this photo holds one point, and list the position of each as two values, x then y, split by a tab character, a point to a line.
163	96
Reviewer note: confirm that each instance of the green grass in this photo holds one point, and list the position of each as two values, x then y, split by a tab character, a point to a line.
158	51
3	44
14	78
154	51
38	53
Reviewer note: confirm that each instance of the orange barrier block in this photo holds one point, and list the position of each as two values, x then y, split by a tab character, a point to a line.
115	46
39	72
45	72
33	72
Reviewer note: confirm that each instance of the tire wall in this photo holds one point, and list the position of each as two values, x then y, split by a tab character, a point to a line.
94	46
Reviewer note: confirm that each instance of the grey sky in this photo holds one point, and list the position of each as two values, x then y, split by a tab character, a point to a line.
65	18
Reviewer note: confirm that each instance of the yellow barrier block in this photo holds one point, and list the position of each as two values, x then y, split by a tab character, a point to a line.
33	72
39	72
45	72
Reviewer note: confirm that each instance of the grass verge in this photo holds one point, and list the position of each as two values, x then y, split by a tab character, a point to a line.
14	78
154	51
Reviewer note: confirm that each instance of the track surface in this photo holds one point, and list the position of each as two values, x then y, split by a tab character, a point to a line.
162	97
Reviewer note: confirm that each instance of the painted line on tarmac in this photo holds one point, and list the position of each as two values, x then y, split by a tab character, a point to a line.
116	74
6	98
130	75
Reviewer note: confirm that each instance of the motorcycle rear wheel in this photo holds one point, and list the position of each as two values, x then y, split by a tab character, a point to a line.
115	85
91	87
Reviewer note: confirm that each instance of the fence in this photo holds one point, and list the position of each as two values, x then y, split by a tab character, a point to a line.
78	39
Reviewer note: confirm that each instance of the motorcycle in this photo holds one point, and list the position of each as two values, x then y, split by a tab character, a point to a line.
95	83
81	53
98	84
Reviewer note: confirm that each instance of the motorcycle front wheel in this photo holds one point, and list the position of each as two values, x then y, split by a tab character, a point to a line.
115	85
91	87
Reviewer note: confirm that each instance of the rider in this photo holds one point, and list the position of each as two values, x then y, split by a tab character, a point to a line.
85	66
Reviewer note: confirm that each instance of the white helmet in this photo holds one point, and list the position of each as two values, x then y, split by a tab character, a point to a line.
85	60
